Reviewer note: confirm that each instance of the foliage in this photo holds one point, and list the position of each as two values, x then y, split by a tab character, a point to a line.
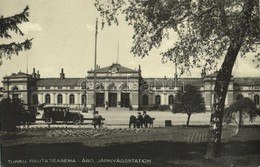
240	110
206	31
205	28
7	115
189	102
10	24
15	112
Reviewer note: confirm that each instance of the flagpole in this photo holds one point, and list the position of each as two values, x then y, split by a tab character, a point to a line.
95	68
117	61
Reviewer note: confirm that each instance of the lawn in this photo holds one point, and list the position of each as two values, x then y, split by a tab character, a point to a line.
43	150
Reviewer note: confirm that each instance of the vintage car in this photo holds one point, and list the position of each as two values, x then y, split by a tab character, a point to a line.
53	114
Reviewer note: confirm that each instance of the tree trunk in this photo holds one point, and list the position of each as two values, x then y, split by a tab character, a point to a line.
240	119
222	82
188	120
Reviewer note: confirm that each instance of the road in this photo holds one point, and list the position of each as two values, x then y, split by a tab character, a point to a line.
119	118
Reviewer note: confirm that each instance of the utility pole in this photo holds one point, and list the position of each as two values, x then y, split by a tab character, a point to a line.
95	68
175	78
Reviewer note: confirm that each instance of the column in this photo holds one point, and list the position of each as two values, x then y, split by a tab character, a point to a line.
53	98
78	100
40	98
65	98
119	99
106	96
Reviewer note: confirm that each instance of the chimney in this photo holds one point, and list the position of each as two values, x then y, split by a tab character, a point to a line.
38	74
62	75
34	74
139	69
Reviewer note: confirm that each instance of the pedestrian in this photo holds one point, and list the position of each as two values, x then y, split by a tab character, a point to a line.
97	119
139	122
132	121
146	119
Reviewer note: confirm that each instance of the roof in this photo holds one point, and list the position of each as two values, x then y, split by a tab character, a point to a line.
19	75
168	82
247	81
58	82
114	68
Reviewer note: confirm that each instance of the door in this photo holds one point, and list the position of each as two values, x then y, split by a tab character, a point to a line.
112	99
124	99
100	99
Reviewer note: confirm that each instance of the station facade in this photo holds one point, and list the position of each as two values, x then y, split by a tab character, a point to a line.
117	86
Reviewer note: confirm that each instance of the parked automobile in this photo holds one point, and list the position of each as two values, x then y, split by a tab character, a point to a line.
53	114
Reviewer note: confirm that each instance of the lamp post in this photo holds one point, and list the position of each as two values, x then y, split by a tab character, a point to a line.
95	68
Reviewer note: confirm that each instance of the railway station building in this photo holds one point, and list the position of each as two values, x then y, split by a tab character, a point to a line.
117	86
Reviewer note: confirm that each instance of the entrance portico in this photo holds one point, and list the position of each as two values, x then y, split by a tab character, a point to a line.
118	84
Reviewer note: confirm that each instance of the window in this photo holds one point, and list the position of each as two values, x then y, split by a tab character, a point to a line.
239	97
47	99
59	99
256	99
35	99
83	99
170	99
72	87
47	87
158	100
15	96
72	99
15	89
145	100
59	87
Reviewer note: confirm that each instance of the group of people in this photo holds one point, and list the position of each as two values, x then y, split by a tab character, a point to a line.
142	120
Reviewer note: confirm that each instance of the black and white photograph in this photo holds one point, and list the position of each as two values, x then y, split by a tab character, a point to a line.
129	83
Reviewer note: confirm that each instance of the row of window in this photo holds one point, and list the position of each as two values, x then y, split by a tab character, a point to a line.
157	100
145	99
59	99
171	98
59	87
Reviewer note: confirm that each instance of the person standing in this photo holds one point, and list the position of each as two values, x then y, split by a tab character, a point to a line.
97	119
139	122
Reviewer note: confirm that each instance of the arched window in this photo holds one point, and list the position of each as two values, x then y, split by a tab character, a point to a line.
35	99
112	87
170	99
15	88
256	99
14	94
239	97
145	100
47	99
59	100
72	99
124	87
158	100
84	99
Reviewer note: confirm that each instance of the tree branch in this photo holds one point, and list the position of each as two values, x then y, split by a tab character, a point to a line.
13	48
10	23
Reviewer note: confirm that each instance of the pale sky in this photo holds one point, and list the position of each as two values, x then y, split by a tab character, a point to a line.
63	32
